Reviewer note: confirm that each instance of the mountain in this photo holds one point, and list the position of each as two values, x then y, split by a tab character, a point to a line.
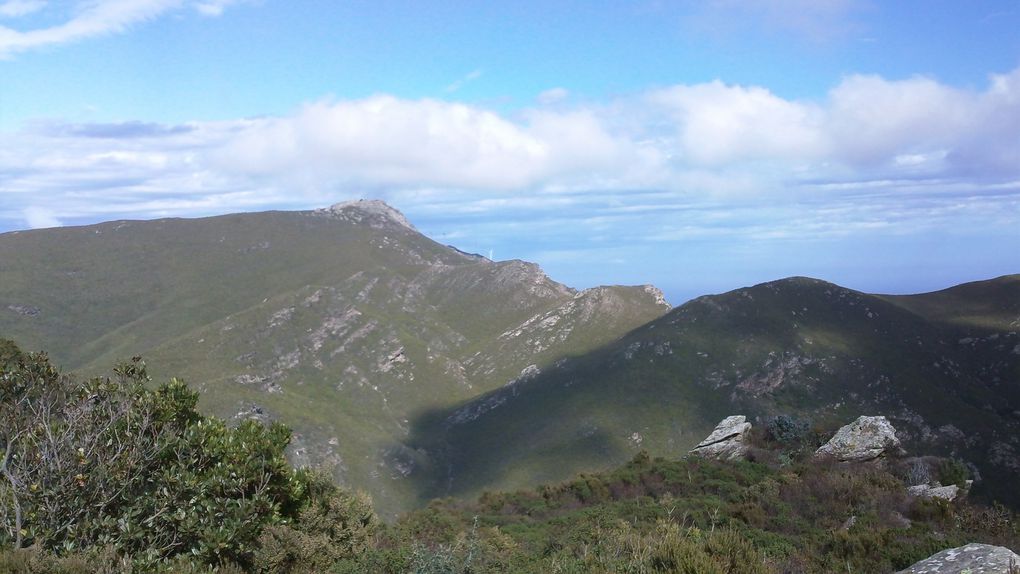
345	323
944	367
417	370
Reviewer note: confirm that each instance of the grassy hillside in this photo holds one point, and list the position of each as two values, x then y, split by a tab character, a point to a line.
344	323
416	370
944	367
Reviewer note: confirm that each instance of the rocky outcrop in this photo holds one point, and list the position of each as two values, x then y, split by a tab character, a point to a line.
867	438
936	490
928	491
372	212
972	559
727	441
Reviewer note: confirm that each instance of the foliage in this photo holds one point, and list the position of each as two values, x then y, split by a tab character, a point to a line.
110	463
331	525
786	429
112	475
952	471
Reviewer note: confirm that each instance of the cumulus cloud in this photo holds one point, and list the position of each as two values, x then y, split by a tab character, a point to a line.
387	141
91	18
703	142
718	124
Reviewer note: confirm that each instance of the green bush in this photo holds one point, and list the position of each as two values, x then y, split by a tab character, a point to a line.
332	525
952	471
785	429
109	462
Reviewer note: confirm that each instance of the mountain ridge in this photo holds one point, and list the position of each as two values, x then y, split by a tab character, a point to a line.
796	346
343	322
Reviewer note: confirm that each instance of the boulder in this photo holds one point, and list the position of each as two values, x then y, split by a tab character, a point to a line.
727	441
937	491
972	559
867	438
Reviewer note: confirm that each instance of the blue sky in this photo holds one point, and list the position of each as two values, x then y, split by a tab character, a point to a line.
698	146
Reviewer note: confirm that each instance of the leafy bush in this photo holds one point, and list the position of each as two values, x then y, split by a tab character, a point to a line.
332	525
111	463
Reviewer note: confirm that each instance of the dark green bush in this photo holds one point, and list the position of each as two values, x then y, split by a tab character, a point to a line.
332	525
785	429
111	463
952	471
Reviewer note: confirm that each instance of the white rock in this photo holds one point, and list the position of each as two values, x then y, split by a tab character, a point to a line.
927	491
972	559
866	438
727	441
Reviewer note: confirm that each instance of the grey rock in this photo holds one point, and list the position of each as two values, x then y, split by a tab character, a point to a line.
727	441
372	212
25	310
970	559
867	438
849	523
928	491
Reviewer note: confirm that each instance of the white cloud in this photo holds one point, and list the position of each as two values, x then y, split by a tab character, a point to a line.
718	124
213	7
387	141
92	18
18	8
708	143
871	119
38	218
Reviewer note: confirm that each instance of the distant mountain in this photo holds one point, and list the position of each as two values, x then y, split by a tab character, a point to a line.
944	367
345	323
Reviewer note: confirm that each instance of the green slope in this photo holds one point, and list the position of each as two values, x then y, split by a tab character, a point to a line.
945	367
345	323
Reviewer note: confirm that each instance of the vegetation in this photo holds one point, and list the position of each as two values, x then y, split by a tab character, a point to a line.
109	463
115	475
783	354
343	329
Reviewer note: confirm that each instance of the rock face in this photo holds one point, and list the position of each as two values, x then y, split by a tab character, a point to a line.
972	559
867	438
727	441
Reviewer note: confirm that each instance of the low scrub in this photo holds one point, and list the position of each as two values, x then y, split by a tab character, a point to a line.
115	475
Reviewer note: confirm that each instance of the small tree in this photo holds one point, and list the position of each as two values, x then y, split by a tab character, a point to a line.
110	462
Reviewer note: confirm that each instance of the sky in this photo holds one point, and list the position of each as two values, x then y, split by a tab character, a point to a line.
699	146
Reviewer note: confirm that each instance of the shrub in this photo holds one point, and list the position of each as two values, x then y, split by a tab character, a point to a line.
332	525
952	471
110	463
785	429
